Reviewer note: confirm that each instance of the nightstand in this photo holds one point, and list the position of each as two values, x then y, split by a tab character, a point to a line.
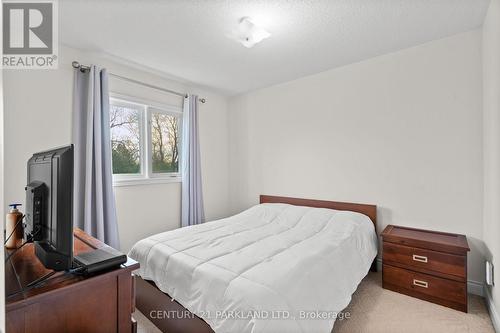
429	265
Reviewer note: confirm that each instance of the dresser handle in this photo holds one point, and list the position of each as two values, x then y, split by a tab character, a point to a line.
419	283
419	258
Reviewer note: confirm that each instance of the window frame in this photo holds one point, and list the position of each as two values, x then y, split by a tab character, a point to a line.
170	111
147	176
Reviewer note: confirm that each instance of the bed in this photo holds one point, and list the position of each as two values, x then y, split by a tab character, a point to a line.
285	265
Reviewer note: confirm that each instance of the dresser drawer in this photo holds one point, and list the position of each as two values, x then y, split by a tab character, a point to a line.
427	260
439	290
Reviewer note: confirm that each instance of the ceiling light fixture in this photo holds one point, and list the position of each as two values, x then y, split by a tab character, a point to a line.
248	34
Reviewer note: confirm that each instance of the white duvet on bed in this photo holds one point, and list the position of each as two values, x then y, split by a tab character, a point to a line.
272	268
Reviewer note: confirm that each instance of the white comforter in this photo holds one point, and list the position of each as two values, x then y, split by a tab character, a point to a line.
272	268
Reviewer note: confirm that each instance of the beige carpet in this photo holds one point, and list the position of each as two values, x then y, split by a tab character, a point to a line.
143	324
375	310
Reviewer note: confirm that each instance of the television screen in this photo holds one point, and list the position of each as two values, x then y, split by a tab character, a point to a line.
49	206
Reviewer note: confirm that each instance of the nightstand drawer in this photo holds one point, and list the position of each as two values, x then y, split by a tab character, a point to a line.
427	260
427	287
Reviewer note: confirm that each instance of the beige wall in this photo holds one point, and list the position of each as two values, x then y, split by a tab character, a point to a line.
491	106
403	131
38	108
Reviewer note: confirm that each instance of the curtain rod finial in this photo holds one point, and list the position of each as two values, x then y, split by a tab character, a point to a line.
75	64
201	100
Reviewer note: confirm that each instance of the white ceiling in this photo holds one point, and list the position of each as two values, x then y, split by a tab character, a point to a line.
187	38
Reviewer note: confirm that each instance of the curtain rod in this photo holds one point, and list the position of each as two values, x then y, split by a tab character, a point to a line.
83	68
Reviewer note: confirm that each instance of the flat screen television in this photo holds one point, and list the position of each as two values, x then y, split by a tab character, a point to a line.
49	207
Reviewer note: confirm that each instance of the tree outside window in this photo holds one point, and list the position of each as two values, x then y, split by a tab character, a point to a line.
145	140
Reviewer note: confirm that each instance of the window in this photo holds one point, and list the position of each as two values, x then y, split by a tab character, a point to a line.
125	123
145	141
164	142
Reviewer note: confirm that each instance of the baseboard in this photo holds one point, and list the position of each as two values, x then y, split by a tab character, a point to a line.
495	318
473	287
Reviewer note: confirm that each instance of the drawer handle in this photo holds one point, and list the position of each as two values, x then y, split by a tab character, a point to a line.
419	258
420	283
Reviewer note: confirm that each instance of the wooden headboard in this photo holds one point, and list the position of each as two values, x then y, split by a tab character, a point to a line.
368	210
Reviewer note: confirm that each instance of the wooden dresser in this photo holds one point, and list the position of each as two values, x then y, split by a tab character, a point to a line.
66	302
429	265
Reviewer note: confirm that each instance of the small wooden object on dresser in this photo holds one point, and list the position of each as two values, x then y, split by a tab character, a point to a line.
429	265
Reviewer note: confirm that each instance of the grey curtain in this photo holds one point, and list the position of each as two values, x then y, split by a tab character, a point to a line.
94	206
192	194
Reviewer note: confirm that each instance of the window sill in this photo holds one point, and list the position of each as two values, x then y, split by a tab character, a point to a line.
146	181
